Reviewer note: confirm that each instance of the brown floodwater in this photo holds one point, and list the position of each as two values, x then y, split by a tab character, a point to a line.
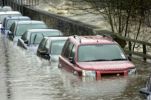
24	76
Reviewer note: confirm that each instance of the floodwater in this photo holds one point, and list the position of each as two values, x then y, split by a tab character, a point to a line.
24	76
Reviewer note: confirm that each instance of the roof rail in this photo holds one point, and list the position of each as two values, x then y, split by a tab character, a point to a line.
77	37
106	36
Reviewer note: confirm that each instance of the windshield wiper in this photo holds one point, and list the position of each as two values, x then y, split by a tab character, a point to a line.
98	60
117	59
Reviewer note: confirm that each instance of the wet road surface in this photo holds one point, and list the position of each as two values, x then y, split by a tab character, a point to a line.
24	76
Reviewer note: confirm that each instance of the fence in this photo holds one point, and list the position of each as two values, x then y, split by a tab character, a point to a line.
143	52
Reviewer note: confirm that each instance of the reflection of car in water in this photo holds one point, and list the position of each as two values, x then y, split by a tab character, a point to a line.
146	91
94	56
106	88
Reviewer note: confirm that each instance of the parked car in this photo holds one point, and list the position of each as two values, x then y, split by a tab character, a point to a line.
94	56
51	47
8	21
4	14
31	38
8	13
6	8
146	91
18	28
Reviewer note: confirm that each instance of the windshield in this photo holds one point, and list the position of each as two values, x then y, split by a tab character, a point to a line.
101	52
9	23
56	47
23	27
36	37
5	15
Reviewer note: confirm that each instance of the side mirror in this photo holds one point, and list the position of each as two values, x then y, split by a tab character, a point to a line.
45	54
26	41
144	91
10	33
71	59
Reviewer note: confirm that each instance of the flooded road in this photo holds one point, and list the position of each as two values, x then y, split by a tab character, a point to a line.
24	76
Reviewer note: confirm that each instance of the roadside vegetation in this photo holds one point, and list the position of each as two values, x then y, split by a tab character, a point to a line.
129	18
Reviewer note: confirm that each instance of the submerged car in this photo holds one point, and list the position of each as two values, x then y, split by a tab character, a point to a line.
51	47
18	28
31	38
8	13
94	56
6	8
146	91
8	21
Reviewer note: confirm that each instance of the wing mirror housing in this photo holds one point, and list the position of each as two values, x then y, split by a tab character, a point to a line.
45	54
144	91
26	41
10	33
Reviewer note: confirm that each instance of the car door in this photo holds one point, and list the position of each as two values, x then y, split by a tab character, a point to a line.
43	49
68	52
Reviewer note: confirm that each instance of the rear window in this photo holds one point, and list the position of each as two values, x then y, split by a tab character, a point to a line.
23	27
11	21
36	37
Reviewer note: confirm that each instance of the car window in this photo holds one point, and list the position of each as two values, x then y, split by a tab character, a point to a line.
72	53
47	45
23	27
12	28
11	21
56	47
65	47
36	38
4	21
24	36
36	26
68	50
42	44
100	52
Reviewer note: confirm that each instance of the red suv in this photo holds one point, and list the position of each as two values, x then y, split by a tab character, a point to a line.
94	56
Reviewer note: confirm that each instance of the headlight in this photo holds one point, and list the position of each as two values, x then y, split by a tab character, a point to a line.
88	73
131	71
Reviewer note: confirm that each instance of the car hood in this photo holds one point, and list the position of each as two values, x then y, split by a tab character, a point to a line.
106	65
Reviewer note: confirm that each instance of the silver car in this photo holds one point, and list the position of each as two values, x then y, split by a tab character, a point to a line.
18	28
8	13
8	21
51	47
31	38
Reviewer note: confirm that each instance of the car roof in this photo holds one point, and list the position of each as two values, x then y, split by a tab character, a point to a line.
97	39
9	12
17	17
29	22
7	8
56	38
41	30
